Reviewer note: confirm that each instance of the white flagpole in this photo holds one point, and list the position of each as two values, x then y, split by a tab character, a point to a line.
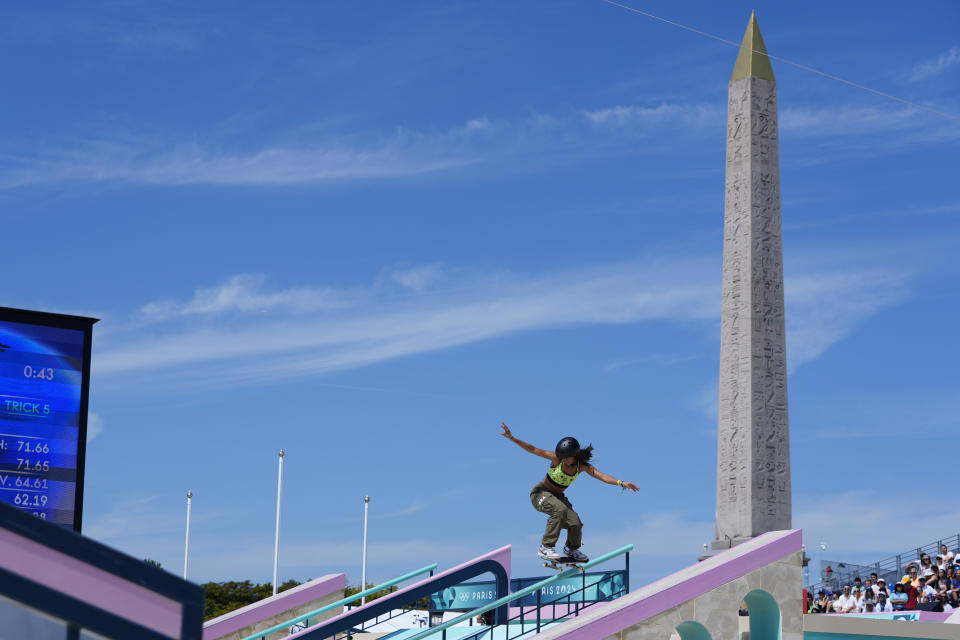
186	547
363	572
276	544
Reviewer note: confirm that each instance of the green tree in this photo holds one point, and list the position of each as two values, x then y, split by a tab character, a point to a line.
152	563
348	591
224	597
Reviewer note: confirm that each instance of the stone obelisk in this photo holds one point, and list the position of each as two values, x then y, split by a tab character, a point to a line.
753	456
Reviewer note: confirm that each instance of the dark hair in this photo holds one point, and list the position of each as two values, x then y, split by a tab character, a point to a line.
583	456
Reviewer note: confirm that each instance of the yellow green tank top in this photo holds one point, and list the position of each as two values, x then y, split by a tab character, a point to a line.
557	475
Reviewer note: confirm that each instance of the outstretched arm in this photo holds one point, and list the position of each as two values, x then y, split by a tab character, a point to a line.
526	446
600	475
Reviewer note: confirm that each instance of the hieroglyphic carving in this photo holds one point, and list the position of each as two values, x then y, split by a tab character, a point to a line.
753	471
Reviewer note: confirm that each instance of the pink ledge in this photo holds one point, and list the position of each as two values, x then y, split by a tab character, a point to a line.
602	621
90	584
269	607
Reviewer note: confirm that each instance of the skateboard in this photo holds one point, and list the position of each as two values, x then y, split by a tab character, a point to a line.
561	564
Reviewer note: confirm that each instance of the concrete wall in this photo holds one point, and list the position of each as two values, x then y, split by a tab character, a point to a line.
717	610
279	608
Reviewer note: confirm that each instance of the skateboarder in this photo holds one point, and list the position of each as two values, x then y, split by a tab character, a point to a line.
567	460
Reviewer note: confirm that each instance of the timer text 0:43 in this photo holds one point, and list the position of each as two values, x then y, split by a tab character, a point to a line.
45	373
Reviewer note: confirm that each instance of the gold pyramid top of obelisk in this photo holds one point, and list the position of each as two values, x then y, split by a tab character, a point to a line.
752	59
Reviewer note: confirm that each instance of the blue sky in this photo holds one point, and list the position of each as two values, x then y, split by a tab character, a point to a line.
369	232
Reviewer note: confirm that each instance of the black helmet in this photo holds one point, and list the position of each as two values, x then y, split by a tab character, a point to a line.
567	447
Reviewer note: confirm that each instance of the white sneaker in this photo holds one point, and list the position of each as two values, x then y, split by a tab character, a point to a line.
575	554
548	553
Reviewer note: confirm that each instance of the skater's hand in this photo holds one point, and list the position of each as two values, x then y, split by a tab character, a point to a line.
630	485
506	431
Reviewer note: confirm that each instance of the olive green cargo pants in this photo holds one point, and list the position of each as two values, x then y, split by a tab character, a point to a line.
562	516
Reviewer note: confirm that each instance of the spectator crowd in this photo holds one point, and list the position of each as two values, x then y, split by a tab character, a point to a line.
931	584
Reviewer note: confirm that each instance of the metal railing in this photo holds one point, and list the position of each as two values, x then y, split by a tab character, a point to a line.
372	622
571	608
891	569
442	628
260	635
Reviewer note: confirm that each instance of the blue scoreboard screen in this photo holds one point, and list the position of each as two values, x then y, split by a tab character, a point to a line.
44	390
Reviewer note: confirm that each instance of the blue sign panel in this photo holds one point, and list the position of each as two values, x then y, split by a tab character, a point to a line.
465	597
589	587
44	378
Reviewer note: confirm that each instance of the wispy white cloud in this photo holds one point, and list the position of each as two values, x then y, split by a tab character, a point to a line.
410	509
129	518
305	155
888	417
667	533
824	308
148	526
387	327
707	400
156	36
869	521
931	68
308	335
907	210
418	278
94	425
845	120
244	293
664	359
844	133
153	33
401	153
698	115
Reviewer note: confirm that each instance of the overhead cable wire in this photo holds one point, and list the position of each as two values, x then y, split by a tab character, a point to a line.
786	61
